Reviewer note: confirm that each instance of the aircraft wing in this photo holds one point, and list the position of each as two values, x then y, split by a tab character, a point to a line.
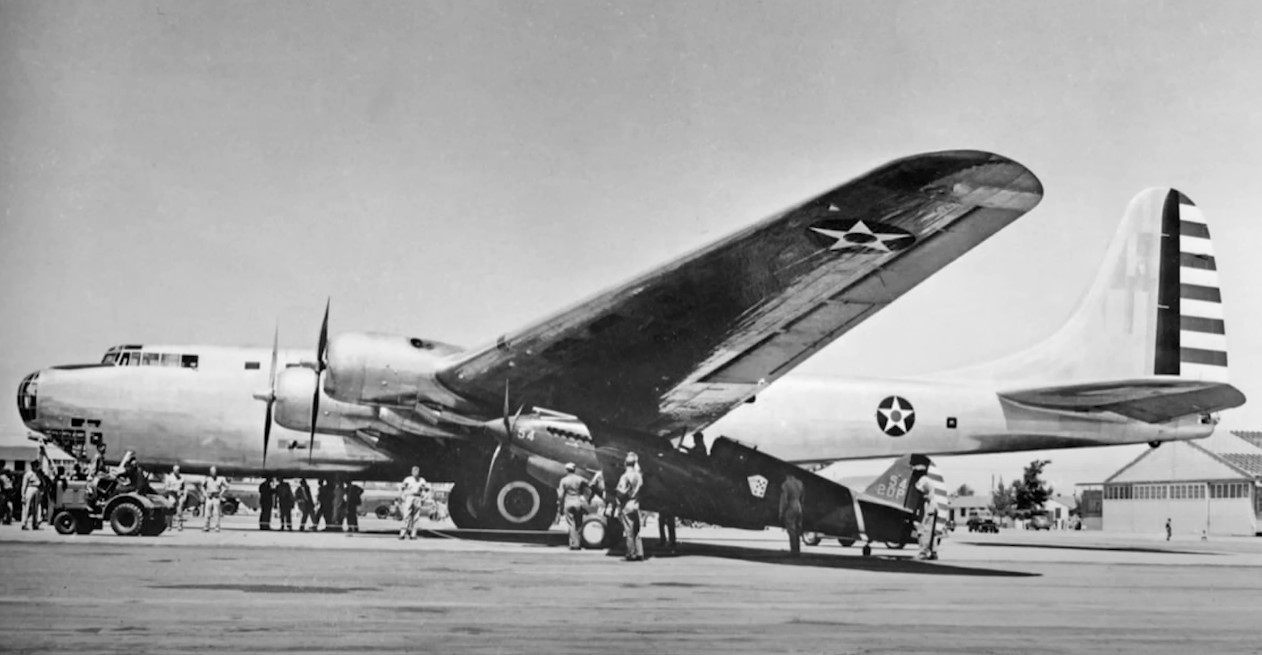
1152	400
681	345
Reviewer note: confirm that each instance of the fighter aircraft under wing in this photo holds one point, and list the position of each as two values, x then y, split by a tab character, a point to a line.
666	353
1142	359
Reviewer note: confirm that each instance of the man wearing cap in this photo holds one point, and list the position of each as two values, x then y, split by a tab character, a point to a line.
570	495
928	517
412	493
628	492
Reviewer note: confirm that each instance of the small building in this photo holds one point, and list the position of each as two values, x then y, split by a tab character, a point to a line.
1059	508
1209	486
962	508
17	455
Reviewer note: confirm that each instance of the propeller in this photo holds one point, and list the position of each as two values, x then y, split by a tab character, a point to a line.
505	439
271	395
320	364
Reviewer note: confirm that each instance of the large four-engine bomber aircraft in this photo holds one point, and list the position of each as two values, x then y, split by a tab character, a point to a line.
665	354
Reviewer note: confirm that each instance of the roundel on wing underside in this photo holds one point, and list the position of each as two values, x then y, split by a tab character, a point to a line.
838	234
895	416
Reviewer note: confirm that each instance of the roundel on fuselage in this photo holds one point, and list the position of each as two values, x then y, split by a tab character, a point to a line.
895	416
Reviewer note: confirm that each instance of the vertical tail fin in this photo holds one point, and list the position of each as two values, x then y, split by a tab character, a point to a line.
1155	307
898	483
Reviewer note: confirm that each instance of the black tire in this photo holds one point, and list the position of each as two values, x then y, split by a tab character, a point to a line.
846	543
867	550
229	507
382	512
65	522
460	506
896	546
127	518
155	524
593	534
86	525
812	538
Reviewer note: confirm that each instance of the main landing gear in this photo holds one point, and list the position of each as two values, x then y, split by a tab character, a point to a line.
517	502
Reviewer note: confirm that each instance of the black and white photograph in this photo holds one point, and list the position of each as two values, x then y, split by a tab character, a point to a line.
632	327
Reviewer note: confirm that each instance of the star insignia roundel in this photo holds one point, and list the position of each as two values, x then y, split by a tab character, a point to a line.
895	416
838	234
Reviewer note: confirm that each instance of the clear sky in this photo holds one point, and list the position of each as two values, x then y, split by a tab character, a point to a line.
197	171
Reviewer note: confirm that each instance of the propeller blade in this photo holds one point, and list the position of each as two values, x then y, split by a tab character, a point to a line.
271	394
508	428
489	489
321	347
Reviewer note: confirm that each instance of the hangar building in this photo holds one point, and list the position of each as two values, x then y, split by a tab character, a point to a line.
1208	486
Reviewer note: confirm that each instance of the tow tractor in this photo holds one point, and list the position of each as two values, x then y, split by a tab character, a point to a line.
80	509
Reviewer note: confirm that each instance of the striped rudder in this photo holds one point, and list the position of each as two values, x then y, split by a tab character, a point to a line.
1191	335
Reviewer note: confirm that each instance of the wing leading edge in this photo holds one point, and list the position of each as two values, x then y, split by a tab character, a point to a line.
681	345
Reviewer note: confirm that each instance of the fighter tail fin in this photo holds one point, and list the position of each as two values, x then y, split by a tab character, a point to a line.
1155	307
897	485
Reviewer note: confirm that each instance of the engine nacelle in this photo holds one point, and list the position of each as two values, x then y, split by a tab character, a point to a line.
294	389
385	369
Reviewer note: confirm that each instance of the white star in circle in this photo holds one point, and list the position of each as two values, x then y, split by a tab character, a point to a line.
859	235
896	417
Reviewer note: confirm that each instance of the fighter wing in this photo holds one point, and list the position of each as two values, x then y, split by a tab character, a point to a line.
681	345
1152	400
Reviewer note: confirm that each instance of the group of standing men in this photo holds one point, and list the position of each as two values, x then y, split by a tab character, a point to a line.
336	503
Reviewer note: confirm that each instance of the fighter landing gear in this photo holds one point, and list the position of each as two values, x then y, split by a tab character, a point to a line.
517	502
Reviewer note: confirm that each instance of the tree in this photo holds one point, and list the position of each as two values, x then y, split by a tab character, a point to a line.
963	491
1031	491
1002	500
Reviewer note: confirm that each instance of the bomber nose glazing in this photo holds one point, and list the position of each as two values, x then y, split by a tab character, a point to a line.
27	407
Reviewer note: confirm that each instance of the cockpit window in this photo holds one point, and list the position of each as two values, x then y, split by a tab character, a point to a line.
188	361
170	359
151	359
110	358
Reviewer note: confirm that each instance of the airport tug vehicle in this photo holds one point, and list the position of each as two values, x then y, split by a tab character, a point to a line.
80	509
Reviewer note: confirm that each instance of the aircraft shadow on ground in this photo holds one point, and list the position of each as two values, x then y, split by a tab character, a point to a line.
876	563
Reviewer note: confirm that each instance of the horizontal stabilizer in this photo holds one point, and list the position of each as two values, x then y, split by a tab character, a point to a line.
1152	400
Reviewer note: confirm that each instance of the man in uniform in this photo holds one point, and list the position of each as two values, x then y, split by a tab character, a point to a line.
928	516
792	495
628	492
177	486
213	489
32	493
7	491
265	504
324	507
354	498
412	493
570	496
285	504
306	505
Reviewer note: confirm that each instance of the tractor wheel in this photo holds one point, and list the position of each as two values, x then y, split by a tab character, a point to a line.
65	522
127	518
812	538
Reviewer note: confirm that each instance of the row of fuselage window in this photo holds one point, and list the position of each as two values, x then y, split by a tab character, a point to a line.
138	358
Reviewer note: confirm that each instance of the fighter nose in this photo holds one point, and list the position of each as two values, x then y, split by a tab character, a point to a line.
27	399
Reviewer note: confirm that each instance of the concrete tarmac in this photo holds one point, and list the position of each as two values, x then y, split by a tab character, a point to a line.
723	591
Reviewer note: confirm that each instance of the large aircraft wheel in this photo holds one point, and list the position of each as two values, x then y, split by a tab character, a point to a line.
592	534
812	538
127	518
461	507
65	522
523	504
846	543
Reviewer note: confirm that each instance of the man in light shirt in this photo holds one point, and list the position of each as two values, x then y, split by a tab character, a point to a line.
412	493
213	489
